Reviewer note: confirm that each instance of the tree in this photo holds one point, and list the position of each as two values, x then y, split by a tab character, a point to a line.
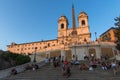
117	32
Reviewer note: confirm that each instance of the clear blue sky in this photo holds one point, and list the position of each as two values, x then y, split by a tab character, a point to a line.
23	21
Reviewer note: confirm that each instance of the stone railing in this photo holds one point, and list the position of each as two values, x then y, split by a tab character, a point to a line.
7	72
117	57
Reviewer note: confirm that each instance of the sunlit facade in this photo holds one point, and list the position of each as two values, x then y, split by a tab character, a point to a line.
109	35
71	43
66	36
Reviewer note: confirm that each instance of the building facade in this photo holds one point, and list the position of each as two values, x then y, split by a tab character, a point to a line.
109	35
71	43
66	36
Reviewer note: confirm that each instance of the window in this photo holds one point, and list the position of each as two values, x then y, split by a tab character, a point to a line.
48	44
32	47
21	49
62	26
17	49
53	45
83	22
62	42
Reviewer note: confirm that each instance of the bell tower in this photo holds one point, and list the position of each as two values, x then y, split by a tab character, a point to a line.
62	26
84	27
83	19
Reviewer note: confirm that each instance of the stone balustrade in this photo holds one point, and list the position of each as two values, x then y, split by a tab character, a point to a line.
7	72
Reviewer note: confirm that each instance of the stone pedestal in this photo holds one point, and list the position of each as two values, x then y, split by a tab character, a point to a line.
48	54
63	54
80	51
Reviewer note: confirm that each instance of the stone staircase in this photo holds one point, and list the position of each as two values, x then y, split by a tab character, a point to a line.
48	72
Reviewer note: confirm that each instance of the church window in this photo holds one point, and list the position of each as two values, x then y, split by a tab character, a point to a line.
53	45
83	22
62	42
48	44
62	26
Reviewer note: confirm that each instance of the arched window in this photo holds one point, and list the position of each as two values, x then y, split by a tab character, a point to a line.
48	44
83	22
62	26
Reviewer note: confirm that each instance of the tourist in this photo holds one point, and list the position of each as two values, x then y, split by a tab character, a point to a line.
92	64
28	67
46	60
84	66
104	66
65	62
33	67
85	57
63	69
92	56
14	71
108	65
114	67
36	66
54	61
68	70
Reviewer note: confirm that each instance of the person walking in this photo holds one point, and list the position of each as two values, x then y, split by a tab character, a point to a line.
114	67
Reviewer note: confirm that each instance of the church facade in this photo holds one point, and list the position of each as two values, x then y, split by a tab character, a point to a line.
72	42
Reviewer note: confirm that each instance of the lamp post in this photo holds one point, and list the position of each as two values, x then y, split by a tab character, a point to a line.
75	54
96	35
63	54
34	60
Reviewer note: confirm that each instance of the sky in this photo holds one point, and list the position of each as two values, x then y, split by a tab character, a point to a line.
24	21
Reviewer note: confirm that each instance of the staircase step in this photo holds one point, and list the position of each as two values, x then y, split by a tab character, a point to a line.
48	72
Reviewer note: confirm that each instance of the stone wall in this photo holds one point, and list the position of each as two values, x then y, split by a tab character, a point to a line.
21	68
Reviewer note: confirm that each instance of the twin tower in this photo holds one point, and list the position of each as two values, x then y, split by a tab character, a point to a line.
74	35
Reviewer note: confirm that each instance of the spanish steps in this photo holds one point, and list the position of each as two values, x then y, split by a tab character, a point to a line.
49	72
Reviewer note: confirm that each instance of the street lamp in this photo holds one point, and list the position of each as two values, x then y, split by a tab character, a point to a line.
35	55
75	54
96	35
63	54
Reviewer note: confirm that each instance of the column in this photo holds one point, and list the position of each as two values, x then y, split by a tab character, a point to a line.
63	54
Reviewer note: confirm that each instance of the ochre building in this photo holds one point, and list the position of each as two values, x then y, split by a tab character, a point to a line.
109	35
71	43
66	36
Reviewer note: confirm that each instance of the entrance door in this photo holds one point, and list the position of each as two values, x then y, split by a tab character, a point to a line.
92	51
68	55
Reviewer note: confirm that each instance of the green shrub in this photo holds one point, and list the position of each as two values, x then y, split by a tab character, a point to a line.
21	59
12	58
